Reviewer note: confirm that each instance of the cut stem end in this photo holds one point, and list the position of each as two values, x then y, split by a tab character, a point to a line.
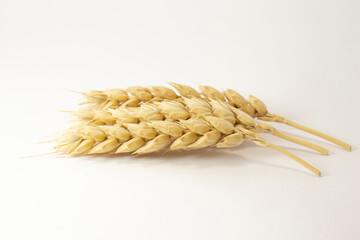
296	158
312	131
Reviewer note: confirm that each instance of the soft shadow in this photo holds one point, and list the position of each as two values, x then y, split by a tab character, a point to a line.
202	158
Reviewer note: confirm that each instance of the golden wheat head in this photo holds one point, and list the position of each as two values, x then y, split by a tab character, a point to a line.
141	120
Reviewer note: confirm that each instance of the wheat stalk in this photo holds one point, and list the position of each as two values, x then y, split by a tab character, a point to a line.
155	118
142	138
254	107
176	111
142	120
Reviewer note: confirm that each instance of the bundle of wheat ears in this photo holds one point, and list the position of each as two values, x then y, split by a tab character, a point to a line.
141	120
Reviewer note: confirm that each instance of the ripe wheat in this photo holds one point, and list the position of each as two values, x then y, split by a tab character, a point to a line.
143	120
254	107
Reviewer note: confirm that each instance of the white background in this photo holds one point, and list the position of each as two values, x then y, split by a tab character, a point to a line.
301	58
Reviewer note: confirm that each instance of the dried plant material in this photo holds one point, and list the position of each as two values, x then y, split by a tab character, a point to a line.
116	131
244	118
267	128
198	106
170	128
198	126
209	139
140	93
232	140
258	105
163	92
142	130
236	98
105	146
263	143
106	105
71	147
173	110
223	110
155	144
117	94
104	117
249	109
186	91
212	93
132	102
124	115
84	147
92	132
131	145
148	112
184	141
141	120
220	124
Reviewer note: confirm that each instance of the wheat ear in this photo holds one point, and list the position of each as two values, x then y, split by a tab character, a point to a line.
254	107
142	120
157	135
175	110
154	126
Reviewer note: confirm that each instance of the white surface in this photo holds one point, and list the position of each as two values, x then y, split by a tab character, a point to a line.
301	58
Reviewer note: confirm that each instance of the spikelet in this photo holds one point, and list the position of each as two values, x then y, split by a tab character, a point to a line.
198	106
148	112
198	126
142	130
69	148
116	131
131	145
212	93
186	91
163	92
140	93
223	110
84	147
104	117
132	102
170	128
117	94
239	101
124	115
258	105
106	146
234	97
244	118
156	144
232	140
92	132
184	141
220	124
209	139
173	110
